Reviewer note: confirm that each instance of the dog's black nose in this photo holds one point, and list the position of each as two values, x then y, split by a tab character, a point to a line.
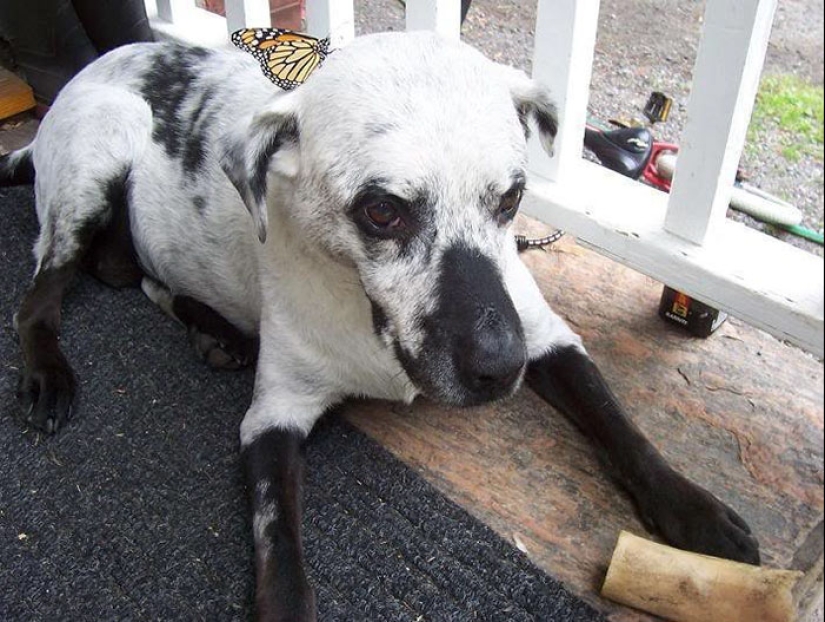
493	357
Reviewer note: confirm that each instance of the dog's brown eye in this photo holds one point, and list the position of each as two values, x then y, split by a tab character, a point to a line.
509	204
384	215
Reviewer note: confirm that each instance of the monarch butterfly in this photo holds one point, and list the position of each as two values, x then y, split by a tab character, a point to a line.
287	58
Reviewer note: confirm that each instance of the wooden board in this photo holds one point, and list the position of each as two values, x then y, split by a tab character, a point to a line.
15	95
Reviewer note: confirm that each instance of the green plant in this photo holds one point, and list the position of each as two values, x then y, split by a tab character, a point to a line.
791	109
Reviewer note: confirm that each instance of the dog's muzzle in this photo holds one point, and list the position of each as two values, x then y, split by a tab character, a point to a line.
473	349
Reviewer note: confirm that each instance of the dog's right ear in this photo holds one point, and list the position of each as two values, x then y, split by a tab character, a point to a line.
532	102
267	143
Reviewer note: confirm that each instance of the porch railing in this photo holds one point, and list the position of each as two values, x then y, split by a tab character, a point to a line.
683	238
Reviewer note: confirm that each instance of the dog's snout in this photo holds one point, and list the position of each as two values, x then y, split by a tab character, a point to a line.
493	356
474	350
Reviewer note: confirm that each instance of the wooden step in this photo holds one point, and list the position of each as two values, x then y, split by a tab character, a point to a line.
15	95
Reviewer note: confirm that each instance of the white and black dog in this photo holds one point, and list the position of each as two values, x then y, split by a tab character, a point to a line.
353	233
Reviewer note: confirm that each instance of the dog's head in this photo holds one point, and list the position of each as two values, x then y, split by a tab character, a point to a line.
405	156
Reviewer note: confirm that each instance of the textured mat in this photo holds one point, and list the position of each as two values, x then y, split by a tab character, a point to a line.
136	510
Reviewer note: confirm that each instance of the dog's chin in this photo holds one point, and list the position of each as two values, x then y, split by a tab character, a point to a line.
456	393
466	396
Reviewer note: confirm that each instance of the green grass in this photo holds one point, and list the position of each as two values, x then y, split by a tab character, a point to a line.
792	108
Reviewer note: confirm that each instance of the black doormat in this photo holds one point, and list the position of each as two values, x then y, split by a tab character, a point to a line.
136	510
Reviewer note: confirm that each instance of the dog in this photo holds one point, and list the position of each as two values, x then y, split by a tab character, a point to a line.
351	237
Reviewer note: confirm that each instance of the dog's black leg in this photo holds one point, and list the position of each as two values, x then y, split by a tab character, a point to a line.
216	340
274	464
74	232
47	386
686	515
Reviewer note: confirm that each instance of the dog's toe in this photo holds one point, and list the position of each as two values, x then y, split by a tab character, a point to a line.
47	396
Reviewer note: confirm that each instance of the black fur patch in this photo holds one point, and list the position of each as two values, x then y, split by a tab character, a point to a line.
194	151
114	198
286	132
170	87
16	170
543	113
380	321
418	233
111	255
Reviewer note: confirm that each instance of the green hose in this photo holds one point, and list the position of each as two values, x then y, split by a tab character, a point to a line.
808	234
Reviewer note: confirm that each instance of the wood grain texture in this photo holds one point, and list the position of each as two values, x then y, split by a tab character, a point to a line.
741	413
15	95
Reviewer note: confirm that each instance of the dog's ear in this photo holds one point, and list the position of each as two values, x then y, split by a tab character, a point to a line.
532	101
253	149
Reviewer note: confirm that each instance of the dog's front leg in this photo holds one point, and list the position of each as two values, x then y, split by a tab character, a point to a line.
685	514
274	465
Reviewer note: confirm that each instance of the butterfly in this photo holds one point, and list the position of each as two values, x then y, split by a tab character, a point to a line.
287	58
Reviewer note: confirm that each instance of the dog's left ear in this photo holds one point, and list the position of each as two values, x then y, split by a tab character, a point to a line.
267	144
532	101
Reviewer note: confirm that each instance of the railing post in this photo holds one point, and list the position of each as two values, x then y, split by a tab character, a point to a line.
333	18
563	61
247	13
174	10
725	82
442	16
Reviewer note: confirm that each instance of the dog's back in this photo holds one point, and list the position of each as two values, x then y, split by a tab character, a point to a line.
143	121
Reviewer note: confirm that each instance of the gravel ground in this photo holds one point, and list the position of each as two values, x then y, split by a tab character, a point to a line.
646	45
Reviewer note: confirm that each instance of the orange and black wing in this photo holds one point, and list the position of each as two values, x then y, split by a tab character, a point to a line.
287	58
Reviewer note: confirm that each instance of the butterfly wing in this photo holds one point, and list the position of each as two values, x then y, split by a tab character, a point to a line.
287	58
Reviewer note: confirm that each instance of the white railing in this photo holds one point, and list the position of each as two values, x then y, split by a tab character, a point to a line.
683	238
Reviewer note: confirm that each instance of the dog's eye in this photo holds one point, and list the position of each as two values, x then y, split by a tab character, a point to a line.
384	215
509	204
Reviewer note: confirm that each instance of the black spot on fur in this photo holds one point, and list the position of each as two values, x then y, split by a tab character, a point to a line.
380	321
170	87
201	118
114	199
200	205
287	132
542	111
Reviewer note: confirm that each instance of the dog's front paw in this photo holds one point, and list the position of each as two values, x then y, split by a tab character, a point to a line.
691	518
47	393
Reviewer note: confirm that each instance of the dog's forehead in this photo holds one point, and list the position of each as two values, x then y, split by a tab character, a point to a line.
412	104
